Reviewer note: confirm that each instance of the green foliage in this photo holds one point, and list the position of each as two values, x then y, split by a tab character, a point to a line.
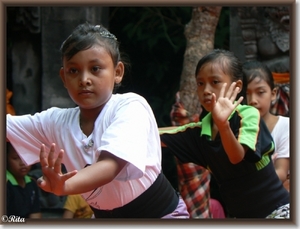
223	30
153	24
153	38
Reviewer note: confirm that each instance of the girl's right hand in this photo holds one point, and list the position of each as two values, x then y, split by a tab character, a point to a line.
53	180
225	104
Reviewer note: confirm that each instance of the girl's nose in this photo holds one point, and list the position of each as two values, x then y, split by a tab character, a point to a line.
85	79
207	90
251	100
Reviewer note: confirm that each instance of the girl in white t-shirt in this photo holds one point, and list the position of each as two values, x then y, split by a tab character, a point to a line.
109	143
261	91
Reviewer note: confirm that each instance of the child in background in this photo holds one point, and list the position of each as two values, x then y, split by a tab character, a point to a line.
22	197
76	207
231	141
261	91
109	143
194	180
22	192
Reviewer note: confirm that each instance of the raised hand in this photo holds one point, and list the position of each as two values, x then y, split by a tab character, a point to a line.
53	180
225	104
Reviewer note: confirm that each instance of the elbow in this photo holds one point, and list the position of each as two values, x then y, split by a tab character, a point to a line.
235	160
238	157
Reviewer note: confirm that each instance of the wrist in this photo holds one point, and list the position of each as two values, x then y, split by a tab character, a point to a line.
223	126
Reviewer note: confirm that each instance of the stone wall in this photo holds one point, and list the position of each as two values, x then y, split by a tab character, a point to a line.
34	36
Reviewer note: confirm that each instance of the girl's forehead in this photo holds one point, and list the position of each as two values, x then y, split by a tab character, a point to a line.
93	52
259	80
13	154
214	68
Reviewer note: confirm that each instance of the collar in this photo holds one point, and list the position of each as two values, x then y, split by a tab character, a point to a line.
206	123
13	181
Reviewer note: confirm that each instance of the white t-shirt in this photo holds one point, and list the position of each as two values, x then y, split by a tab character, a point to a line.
126	127
281	137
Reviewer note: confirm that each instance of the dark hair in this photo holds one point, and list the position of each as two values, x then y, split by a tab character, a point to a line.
85	36
9	147
229	64
256	69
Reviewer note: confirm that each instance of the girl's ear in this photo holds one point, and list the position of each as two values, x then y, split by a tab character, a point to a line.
119	72
239	84
273	94
62	75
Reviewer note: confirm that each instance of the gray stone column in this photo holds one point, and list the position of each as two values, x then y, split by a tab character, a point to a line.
57	23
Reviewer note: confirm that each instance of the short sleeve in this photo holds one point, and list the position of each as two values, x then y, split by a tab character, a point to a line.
132	135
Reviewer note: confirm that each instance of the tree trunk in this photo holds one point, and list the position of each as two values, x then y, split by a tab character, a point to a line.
194	180
200	34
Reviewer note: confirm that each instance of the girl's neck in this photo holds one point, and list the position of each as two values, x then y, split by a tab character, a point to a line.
270	120
21	181
87	119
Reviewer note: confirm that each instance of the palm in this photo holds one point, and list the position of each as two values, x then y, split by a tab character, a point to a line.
225	105
53	180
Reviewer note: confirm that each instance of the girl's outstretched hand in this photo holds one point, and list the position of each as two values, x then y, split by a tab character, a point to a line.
53	180
225	105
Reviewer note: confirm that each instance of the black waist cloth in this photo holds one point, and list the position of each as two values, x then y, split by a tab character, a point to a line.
157	201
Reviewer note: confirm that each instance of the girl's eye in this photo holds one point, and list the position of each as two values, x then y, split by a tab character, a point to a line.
73	70
199	83
216	82
95	68
261	92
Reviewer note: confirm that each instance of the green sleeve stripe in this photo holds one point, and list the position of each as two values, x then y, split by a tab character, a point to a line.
265	160
178	129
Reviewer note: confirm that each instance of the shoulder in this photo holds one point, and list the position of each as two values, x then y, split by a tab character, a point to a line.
283	120
50	113
61	111
246	110
282	127
59	115
248	114
129	97
75	197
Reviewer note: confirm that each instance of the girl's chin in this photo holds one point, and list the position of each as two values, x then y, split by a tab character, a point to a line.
207	108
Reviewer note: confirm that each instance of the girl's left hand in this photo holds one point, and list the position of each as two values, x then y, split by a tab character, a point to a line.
53	180
225	105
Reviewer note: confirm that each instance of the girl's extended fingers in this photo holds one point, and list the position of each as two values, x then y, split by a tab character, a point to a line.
58	161
222	91
238	102
234	94
51	159
69	175
230	90
213	99
43	157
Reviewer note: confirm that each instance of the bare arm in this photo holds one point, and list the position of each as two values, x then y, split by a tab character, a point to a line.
95	175
68	214
282	168
235	151
102	172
